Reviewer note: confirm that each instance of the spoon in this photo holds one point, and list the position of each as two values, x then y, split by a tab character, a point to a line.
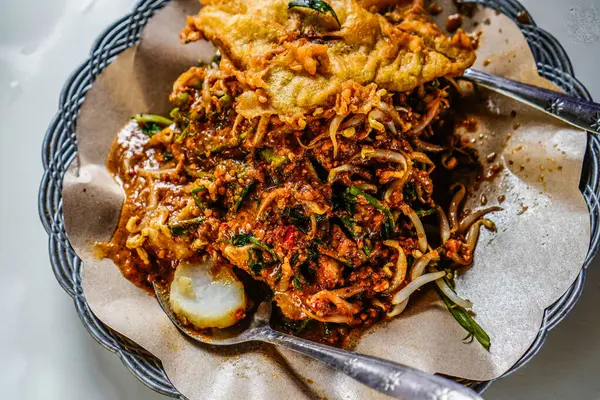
580	113
395	380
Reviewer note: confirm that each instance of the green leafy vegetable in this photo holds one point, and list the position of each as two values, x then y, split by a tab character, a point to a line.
255	262
151	129
465	320
245	192
183	227
388	224
241	239
298	282
316	5
349	227
367	248
299	220
246	238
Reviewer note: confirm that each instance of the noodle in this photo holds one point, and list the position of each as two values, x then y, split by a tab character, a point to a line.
415	284
421	264
454	204
401	266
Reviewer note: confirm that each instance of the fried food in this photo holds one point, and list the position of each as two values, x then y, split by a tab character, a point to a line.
292	60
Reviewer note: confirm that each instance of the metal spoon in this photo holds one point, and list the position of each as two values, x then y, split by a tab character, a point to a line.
398	381
577	112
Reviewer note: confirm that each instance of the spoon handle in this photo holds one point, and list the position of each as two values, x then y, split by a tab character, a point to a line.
395	380
577	112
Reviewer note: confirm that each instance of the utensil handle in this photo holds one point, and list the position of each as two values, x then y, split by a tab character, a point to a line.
578	112
395	380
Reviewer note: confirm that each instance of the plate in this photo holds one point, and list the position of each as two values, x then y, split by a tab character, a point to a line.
60	149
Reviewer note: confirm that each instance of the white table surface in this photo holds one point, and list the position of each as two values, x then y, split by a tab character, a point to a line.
45	353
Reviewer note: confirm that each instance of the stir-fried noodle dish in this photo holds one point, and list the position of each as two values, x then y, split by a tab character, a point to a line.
312	162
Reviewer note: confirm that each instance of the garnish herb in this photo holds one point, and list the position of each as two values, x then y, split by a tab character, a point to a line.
316	5
183	227
151	129
255	262
349	227
465	320
245	191
298	281
246	238
367	248
388	224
